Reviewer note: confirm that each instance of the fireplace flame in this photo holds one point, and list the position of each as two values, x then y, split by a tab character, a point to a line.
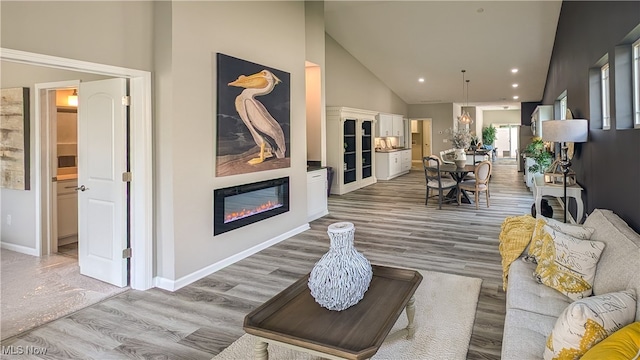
237	215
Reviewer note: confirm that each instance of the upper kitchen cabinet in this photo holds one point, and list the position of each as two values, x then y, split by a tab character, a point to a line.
389	125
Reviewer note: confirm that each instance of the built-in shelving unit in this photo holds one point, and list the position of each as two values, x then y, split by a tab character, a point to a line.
350	144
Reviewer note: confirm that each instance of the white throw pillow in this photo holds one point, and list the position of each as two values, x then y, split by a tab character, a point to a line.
586	322
568	264
577	231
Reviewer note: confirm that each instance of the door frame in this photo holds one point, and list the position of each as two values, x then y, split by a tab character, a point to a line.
141	194
45	106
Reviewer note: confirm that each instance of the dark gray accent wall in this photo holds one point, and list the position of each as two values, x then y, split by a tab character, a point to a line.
608	165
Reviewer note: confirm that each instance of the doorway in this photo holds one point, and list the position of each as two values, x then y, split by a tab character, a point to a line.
421	141
507	140
141	188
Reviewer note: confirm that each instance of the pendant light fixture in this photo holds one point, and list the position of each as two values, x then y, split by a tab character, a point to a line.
465	118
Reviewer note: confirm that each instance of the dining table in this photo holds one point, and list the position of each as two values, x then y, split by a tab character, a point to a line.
458	174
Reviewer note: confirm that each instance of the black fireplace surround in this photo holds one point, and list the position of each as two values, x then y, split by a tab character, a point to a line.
241	205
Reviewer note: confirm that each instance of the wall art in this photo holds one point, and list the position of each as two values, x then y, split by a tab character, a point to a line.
14	138
253	117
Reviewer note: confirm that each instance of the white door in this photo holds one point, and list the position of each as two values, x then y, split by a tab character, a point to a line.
426	138
102	195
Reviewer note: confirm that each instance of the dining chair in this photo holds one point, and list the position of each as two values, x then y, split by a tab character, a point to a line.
436	180
482	174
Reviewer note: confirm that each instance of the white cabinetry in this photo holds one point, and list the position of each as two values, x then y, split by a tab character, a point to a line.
398	125
392	164
67	208
389	125
540	114
350	145
316	194
384	125
406	161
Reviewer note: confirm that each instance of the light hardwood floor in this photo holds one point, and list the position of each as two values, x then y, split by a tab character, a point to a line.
393	227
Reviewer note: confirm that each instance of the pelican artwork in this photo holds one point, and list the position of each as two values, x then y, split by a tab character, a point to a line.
266	131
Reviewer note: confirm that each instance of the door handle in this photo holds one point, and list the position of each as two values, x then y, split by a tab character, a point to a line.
82	188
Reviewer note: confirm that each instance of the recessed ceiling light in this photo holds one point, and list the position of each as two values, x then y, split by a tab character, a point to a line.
516	97
515	85
420	79
514	70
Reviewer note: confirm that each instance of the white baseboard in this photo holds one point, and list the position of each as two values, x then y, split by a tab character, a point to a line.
19	248
318	215
173	285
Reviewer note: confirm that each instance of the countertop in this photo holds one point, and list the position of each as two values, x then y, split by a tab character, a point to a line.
67	177
314	168
391	150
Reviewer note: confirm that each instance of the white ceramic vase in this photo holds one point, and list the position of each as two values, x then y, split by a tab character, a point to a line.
460	157
342	275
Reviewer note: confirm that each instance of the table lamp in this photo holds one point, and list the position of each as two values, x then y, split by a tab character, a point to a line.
566	132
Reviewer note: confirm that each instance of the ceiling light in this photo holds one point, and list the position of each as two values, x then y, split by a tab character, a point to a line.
72	100
514	85
514	70
465	118
516	97
420	79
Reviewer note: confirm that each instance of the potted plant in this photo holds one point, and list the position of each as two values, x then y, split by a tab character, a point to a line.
460	140
542	158
489	136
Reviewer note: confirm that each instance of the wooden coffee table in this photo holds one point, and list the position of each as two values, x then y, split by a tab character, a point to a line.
293	318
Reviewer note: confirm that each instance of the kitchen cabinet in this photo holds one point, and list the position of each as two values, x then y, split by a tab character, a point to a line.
540	114
389	125
398	125
67	208
384	125
350	144
391	164
406	161
316	194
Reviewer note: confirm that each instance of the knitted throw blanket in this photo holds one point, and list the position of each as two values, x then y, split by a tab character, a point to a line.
515	235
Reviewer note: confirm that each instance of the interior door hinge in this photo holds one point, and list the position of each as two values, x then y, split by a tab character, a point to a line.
126	253
126	100
126	176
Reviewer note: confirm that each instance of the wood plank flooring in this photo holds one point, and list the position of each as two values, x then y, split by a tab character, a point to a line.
393	227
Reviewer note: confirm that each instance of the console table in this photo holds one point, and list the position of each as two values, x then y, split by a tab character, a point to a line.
541	188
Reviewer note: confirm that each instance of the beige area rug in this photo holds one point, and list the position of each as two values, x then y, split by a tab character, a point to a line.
36	290
445	312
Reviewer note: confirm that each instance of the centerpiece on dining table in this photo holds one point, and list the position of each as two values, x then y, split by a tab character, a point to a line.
461	140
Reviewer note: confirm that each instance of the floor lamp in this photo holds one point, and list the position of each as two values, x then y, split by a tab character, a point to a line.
565	131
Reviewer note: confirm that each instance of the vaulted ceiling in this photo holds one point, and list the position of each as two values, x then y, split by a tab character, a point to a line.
402	41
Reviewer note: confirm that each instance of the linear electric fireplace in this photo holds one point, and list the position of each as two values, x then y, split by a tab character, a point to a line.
241	205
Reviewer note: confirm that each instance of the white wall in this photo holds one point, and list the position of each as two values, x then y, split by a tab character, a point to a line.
268	33
315	81
442	116
178	42
501	117
350	84
21	204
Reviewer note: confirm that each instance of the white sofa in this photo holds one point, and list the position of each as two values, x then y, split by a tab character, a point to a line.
533	308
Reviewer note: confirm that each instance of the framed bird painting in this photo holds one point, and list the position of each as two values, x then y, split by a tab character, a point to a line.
253	117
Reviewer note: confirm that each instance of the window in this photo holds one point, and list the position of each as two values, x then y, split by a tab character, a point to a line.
604	80
563	106
636	84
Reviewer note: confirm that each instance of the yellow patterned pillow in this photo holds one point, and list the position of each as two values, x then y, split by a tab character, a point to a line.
577	231
623	344
586	322
568	264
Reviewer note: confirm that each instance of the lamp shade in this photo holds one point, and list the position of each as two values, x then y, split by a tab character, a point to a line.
575	130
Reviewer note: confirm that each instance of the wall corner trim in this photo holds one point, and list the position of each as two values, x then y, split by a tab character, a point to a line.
173	285
20	249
